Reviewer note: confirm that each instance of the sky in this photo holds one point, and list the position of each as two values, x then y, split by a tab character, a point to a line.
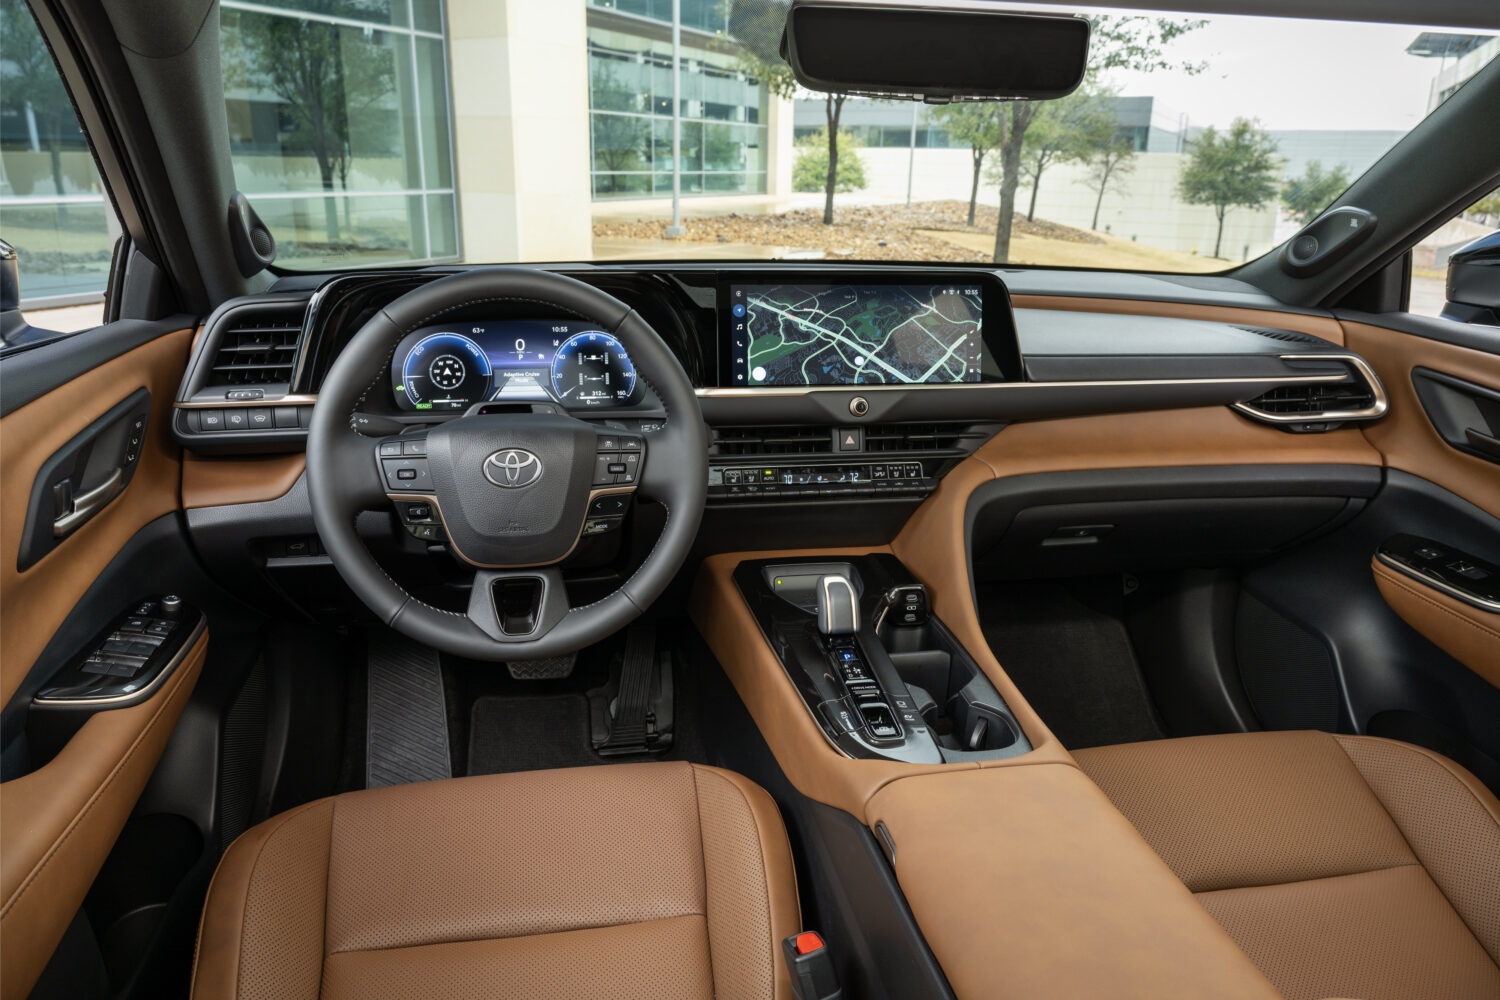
1293	74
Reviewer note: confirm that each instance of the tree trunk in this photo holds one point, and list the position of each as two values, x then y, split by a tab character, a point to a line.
1219	237
833	106
1103	183
55	152
1036	182
974	187
1010	179
330	209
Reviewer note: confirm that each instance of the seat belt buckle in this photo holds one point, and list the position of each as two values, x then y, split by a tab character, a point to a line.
811	965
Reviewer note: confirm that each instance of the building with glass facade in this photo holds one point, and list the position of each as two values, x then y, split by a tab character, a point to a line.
371	132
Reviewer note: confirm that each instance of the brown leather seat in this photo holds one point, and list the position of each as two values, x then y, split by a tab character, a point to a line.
1345	866
660	880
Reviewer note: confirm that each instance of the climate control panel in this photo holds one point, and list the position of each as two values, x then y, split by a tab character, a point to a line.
842	481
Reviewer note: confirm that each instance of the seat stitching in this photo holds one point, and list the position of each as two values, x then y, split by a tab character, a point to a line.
1309	881
519	937
239	966
765	876
703	864
1446	770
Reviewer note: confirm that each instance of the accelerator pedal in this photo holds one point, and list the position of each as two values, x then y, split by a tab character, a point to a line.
406	718
633	714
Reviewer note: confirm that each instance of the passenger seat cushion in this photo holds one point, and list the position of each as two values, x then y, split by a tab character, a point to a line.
660	880
1344	865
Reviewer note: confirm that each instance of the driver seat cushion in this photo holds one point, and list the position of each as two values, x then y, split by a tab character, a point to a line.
656	880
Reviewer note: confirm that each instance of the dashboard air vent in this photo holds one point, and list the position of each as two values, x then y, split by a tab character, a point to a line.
256	345
1323	404
771	440
914	437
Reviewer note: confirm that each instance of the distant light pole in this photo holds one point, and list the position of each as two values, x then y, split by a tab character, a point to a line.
675	229
911	163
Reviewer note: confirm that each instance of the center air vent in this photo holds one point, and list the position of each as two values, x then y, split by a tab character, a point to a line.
770	440
1323	404
256	345
914	437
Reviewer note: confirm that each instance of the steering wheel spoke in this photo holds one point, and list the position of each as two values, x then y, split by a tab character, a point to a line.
518	606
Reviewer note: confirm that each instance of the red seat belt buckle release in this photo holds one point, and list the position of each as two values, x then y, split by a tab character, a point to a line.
811	965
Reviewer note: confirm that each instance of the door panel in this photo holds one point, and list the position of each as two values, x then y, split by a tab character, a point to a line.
63	811
34	601
62	819
1406	436
1468	634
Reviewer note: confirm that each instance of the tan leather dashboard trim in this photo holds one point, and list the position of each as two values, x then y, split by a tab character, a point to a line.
1468	634
1319	326
1027	882
217	481
61	820
1405	436
34	603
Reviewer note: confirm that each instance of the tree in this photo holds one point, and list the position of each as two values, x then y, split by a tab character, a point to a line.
320	82
31	85
1108	162
1070	129
980	125
1133	42
1486	209
1235	169
810	171
757	27
1305	197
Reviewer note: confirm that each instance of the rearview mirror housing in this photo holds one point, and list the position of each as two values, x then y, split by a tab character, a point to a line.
934	54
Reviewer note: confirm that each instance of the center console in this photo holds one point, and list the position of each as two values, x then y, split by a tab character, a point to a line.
881	676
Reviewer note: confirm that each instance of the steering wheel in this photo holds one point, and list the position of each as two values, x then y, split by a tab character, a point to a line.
513	489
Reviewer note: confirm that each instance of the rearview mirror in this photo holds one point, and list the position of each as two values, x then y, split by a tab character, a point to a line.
1474	282
934	54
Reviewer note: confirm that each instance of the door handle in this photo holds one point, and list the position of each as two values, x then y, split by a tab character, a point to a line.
85	505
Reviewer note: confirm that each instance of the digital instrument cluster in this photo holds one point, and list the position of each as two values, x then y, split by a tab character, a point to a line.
452	367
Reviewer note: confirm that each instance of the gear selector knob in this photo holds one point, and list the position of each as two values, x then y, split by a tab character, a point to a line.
838	606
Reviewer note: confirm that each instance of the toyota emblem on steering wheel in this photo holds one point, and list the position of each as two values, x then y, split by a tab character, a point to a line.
512	468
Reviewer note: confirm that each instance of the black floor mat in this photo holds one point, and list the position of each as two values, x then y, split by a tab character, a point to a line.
529	733
1072	661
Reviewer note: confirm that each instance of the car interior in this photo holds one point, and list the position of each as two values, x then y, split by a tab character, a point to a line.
1102	633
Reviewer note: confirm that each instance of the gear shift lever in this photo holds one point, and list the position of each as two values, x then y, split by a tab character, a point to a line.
838	606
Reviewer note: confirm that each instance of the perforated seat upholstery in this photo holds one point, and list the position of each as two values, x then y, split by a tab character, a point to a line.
1345	866
660	881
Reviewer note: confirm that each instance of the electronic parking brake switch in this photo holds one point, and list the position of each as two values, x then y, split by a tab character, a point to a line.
838	621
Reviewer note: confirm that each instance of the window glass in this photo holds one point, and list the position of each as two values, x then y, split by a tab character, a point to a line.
53	208
1429	258
546	131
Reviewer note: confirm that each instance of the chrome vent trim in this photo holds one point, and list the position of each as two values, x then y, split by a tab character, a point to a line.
1361	372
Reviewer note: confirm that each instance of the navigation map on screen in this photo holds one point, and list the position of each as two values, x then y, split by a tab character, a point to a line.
856	334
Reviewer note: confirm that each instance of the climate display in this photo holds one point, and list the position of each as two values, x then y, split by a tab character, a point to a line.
455	366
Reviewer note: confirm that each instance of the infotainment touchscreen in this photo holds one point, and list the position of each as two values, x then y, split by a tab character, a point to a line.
857	333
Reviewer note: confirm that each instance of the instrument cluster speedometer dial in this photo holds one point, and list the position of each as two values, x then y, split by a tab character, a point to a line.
592	369
445	371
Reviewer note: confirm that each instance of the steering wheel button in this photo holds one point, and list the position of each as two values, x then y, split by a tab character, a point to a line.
406	474
631	444
390	448
609	443
609	506
417	446
602	475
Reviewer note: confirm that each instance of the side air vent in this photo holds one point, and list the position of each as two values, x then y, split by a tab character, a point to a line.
1289	336
914	437
256	345
1321	405
771	440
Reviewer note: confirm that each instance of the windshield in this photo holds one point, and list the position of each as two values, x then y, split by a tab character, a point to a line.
376	132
